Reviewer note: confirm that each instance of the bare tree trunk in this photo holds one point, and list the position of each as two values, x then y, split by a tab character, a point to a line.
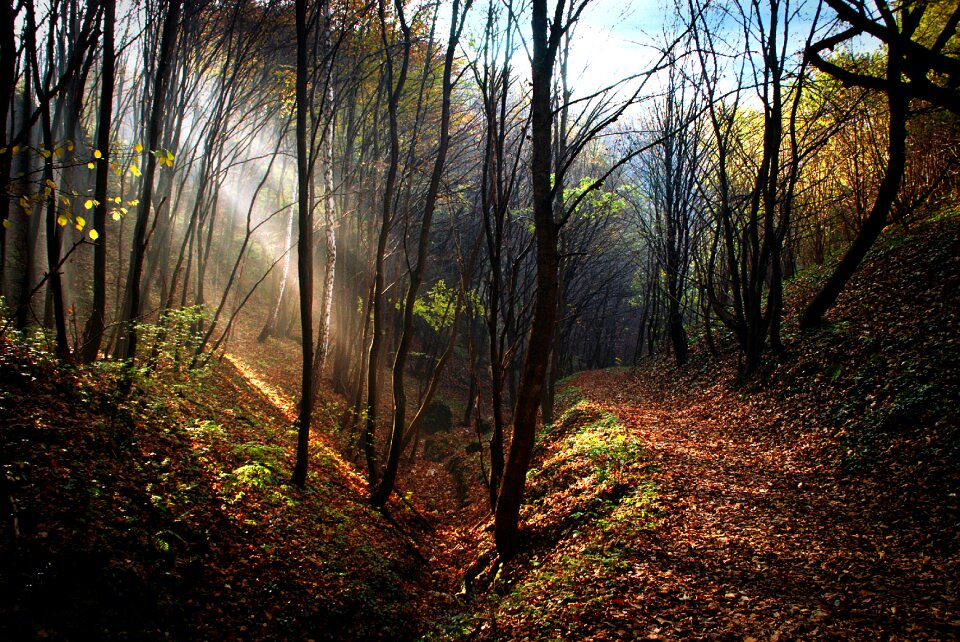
305	250
54	232
329	206
899	100
546	39
270	326
394	89
93	333
8	61
128	348
383	490
32	226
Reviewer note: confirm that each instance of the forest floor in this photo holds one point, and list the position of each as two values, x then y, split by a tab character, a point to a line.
817	501
749	532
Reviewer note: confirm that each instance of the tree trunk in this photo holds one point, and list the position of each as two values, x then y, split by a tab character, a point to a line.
8	59
93	333
270	325
168	41
899	101
383	490
329	206
305	252
507	520
54	231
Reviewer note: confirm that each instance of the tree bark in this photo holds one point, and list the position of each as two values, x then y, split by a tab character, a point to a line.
128	350
507	520
305	252
93	333
8	60
329	206
898	98
385	486
394	89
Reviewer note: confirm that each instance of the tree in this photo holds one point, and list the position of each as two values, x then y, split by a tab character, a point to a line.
304	250
128	347
669	189
757	158
499	177
329	206
394	87
914	70
382	491
93	332
546	36
8	72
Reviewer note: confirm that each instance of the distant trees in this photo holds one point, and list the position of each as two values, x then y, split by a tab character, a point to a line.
669	202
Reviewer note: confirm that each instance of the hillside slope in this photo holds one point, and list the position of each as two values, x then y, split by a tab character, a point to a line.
821	503
167	516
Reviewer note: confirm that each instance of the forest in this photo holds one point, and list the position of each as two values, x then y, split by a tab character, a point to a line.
480	319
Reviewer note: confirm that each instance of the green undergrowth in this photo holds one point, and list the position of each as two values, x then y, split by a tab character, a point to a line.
591	501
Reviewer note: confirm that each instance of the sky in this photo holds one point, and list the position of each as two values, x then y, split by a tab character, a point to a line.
615	39
612	40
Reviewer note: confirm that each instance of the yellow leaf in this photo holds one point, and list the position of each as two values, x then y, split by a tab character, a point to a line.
88	204
45	153
65	201
124	210
70	146
3	150
134	202
135	170
90	165
117	200
94	235
24	203
6	224
81	223
62	220
16	149
116	215
97	154
138	147
49	183
58	152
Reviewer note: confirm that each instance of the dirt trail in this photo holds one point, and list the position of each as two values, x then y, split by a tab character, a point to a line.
761	538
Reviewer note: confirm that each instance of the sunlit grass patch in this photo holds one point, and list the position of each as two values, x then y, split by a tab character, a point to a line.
591	501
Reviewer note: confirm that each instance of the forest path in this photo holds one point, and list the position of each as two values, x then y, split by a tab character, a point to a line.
761	538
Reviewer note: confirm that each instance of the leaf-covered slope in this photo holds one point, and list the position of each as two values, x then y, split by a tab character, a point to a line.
820	503
168	515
